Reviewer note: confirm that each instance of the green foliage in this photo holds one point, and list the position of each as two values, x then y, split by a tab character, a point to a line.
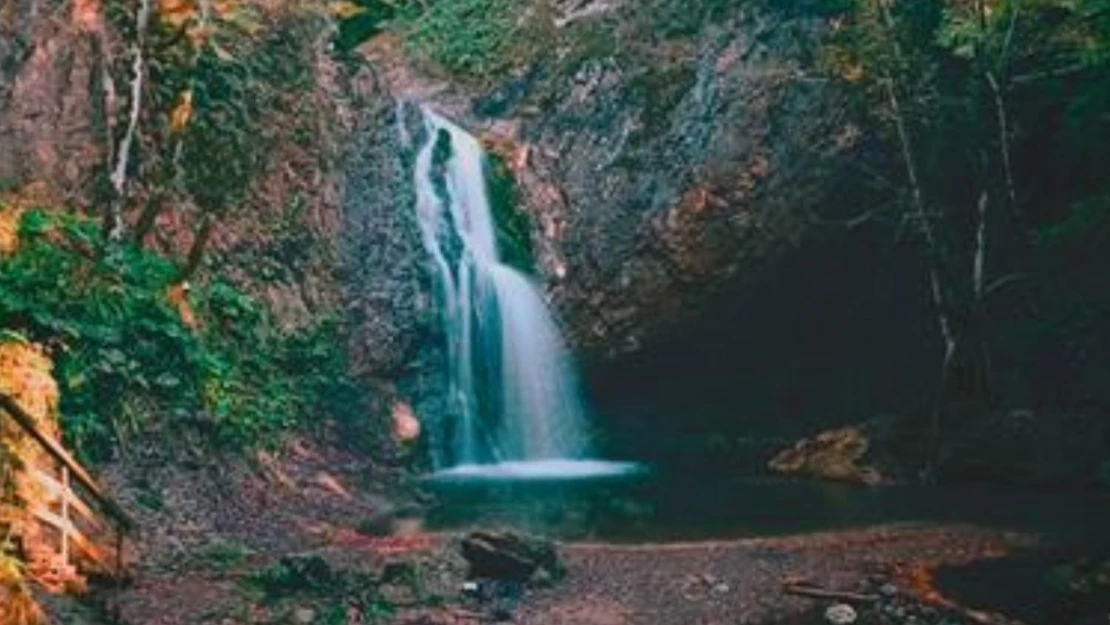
670	19
229	142
127	362
312	578
310	574
514	229
118	342
247	82
476	39
370	19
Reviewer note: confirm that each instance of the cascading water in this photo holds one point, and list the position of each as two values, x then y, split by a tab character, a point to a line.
514	399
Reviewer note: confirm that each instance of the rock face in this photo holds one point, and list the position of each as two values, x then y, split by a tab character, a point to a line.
51	78
662	173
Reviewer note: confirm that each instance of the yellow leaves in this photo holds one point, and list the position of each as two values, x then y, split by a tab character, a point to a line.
345	9
25	375
178	13
182	112
853	73
17	605
9	229
201	19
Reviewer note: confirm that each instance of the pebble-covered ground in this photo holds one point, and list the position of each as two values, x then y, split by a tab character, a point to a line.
732	583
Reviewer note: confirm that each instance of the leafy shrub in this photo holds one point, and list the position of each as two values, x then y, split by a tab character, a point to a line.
475	39
127	361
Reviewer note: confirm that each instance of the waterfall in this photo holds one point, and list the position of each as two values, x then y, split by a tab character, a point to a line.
513	393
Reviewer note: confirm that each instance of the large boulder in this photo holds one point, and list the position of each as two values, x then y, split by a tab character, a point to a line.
510	557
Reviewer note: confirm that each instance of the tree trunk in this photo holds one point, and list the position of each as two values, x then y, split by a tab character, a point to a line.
147	219
196	251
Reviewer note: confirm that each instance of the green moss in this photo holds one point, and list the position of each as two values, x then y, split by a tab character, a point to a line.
247	95
514	228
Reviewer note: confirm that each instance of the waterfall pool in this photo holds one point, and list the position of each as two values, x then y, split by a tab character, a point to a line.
617	503
539	470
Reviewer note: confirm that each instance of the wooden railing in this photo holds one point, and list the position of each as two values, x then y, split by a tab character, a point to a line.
79	523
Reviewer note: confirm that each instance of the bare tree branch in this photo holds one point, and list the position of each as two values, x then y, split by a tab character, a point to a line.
114	225
980	262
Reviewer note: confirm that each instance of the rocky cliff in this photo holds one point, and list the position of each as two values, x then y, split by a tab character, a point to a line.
662	160
657	168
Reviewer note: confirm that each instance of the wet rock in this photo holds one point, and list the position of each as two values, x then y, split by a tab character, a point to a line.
304	616
507	556
841	614
831	455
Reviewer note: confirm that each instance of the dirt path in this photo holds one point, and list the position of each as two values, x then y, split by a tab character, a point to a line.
729	583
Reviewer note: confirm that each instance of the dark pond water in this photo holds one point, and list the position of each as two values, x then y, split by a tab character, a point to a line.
661	506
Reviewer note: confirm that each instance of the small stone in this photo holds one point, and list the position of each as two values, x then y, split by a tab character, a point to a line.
841	614
888	590
721	588
470	588
542	578
304	616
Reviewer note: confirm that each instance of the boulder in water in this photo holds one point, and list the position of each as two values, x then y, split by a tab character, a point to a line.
508	556
831	455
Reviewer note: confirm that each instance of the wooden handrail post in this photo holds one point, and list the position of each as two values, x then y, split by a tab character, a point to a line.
57	570
65	514
25	421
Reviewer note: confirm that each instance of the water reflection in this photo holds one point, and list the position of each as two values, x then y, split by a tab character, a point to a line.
644	507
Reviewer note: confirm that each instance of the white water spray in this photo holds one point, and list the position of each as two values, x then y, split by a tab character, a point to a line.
513	393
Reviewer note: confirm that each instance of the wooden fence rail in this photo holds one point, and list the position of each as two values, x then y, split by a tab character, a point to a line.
66	512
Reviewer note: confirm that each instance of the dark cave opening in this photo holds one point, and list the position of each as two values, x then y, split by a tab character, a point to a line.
838	330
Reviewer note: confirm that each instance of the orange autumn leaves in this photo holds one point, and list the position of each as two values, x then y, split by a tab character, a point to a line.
25	375
182	112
